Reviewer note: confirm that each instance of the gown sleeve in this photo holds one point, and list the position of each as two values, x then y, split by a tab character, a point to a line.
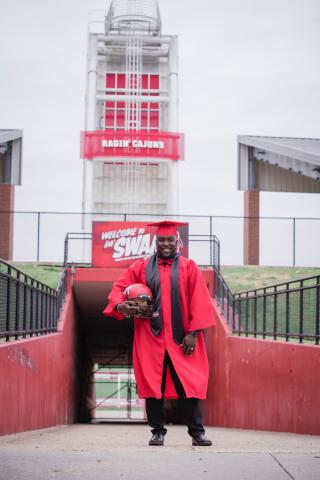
201	312
132	275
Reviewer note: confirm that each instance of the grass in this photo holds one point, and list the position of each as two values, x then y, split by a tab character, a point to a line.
47	274
238	278
241	279
111	392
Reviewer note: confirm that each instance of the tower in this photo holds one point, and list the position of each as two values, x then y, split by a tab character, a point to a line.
131	145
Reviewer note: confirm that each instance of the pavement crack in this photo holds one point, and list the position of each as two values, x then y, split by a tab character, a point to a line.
283	468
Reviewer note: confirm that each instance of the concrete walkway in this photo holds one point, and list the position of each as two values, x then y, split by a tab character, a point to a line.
120	451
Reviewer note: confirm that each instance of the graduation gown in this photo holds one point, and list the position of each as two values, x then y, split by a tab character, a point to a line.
149	350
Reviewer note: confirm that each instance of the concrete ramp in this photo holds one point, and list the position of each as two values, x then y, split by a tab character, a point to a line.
119	451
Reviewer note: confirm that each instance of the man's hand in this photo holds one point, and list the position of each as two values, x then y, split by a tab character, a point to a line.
127	308
188	344
130	308
145	311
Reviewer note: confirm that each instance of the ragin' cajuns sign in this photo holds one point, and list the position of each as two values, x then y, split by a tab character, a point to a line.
118	244
101	144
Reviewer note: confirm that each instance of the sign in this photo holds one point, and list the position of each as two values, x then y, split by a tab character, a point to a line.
118	244
104	143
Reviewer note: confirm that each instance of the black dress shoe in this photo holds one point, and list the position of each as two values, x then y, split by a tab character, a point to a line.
157	439
201	441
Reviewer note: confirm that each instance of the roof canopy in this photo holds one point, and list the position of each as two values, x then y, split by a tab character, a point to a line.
279	164
10	156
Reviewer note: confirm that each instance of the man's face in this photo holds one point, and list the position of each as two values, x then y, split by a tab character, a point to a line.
166	246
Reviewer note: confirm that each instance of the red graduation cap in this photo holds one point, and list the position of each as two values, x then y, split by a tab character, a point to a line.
167	228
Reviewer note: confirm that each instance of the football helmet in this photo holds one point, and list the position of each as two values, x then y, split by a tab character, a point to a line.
138	293
141	296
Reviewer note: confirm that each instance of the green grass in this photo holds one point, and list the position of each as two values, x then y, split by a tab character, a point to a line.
241	279
238	278
47	274
107	389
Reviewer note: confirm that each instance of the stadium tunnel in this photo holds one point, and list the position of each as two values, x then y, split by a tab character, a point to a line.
101	340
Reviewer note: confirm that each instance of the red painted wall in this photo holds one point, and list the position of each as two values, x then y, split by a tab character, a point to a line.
37	378
262	384
112	274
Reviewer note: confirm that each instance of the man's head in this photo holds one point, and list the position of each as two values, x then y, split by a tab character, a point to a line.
167	237
166	245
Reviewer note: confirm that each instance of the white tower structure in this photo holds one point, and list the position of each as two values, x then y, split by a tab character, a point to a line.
130	147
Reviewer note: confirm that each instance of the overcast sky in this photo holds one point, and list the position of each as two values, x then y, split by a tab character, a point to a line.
246	67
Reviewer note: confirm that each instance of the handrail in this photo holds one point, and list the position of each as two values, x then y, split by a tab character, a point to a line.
278	292
11	268
290	313
28	306
279	285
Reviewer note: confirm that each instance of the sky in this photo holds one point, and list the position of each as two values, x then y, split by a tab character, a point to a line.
245	67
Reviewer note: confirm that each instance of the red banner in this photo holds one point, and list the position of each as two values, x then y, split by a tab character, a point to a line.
102	143
118	244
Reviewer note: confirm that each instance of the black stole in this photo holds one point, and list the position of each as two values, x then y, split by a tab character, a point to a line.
153	282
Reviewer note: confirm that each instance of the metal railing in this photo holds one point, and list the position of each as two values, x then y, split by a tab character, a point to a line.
286	241
288	311
223	295
27	307
213	258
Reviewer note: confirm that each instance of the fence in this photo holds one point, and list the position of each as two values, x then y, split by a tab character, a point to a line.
210	245
27	307
285	241
286	311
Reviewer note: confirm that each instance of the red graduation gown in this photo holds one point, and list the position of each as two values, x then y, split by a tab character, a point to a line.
149	350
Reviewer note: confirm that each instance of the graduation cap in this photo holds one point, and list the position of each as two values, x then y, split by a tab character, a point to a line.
167	228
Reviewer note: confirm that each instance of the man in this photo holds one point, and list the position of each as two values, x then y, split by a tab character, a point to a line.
169	355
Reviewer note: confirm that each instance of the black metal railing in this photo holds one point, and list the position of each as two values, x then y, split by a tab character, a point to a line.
223	296
288	311
28	307
49	228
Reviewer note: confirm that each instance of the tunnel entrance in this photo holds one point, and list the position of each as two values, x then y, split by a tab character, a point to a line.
106	384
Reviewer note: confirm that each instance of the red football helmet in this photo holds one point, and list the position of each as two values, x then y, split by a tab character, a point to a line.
138	293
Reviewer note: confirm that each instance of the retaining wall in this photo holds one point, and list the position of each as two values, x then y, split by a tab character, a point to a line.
262	384
37	377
